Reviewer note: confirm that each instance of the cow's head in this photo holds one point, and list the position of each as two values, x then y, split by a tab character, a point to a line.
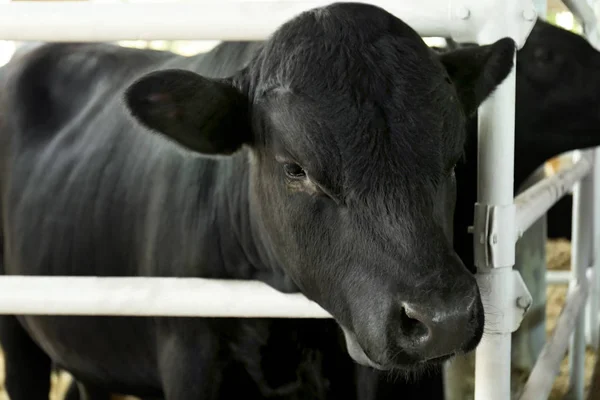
353	126
558	107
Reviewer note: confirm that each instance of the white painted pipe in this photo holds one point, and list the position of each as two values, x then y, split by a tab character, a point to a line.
493	355
106	295
176	297
539	198
593	307
547	366
583	12
592	324
594	304
581	251
54	21
495	171
564	277
541	7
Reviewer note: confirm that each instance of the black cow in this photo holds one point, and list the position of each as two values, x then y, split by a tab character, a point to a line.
568	117
320	160
557	110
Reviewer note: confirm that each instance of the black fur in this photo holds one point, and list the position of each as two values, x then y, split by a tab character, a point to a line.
348	95
557	110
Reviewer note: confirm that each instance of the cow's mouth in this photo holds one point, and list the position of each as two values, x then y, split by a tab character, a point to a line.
438	360
357	353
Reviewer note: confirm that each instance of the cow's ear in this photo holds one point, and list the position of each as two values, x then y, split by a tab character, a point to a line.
477	71
206	115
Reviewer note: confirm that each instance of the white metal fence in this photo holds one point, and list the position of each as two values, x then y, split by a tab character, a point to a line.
498	222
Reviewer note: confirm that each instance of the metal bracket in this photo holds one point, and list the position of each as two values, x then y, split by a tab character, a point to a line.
523	300
494	231
510	306
517	20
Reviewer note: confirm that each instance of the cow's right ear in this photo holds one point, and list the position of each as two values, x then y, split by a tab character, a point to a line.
477	71
206	115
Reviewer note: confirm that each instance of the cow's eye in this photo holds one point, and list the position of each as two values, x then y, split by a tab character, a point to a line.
294	171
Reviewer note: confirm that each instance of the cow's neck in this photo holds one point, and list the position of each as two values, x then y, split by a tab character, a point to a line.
241	240
239	243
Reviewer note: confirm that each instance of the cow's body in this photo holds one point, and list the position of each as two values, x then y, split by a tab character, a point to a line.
321	160
127	199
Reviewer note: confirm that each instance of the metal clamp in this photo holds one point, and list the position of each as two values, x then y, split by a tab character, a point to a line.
523	300
494	231
508	306
518	19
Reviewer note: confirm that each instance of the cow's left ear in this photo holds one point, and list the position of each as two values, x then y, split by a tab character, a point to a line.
206	115
477	71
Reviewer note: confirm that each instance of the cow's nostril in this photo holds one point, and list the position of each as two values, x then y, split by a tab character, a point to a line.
413	327
428	332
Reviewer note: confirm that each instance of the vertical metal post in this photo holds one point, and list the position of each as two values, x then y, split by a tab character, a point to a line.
586	13
530	261
580	260
542	7
495	220
593	305
593	311
592	317
495	191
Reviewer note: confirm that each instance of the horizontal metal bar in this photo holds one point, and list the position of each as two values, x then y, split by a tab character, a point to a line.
563	277
547	366
177	297
538	199
582	11
56	21
90	22
115	289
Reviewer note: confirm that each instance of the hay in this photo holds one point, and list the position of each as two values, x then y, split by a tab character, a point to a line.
558	256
